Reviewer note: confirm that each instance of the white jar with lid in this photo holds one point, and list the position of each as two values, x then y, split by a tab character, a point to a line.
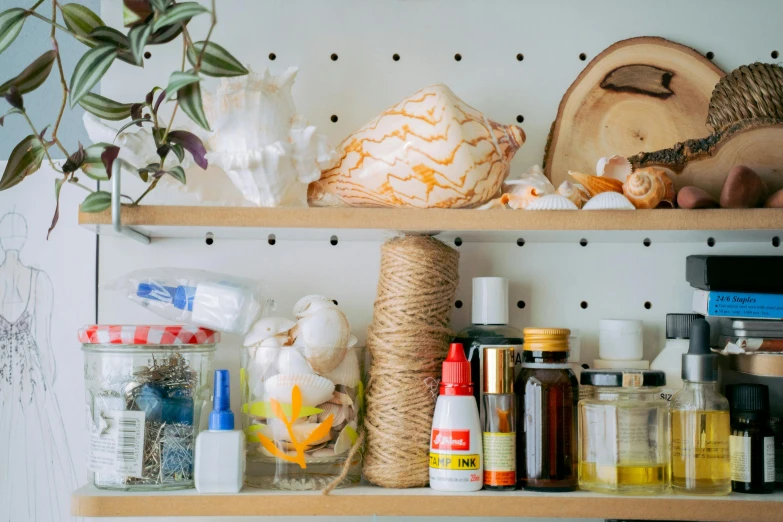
620	340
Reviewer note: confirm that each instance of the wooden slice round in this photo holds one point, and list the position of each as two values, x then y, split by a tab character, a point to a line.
638	95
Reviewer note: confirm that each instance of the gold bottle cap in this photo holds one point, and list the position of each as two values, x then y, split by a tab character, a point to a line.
546	339
498	369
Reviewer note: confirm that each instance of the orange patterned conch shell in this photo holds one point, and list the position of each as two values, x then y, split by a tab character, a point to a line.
430	150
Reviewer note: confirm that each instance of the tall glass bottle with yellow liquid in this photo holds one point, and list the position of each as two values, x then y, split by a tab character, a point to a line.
700	423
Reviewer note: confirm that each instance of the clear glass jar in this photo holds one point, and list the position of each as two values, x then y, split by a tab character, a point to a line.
148	392
624	433
301	427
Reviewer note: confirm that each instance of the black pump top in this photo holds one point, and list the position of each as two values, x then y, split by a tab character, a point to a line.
698	365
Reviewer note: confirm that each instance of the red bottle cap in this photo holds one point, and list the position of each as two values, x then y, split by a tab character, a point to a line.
456	373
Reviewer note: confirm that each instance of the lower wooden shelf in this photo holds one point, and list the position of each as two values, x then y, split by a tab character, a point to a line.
89	501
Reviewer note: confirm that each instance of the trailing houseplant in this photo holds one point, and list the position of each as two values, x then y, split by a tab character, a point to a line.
147	23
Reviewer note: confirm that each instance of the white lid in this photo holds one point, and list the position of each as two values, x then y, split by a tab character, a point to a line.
620	325
490	300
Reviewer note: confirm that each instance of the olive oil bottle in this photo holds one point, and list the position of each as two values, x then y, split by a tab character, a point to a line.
700	423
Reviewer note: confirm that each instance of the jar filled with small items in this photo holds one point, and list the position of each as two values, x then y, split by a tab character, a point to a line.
302	399
148	392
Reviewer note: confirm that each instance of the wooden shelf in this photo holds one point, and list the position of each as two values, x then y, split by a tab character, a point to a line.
366	501
364	223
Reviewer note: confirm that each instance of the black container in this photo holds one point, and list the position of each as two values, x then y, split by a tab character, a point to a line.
754	274
752	442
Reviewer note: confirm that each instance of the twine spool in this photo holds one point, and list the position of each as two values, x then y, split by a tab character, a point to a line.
408	340
749	91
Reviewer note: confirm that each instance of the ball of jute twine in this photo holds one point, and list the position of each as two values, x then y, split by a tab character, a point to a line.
408	340
749	91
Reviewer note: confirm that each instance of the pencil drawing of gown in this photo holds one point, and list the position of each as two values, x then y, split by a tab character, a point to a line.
36	469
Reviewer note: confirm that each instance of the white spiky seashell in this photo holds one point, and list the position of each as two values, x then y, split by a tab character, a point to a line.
310	304
268	327
314	388
430	150
290	360
609	201
347	372
519	193
324	335
268	150
617	167
552	202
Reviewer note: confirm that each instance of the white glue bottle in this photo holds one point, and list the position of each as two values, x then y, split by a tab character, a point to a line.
220	451
456	460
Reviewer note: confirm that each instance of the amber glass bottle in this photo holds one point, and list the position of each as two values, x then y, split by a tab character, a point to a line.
548	393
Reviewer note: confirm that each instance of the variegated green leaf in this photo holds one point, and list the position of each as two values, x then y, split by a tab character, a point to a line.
165	34
138	37
216	61
33	76
189	98
25	159
96	202
179	80
11	23
90	69
160	5
93	166
58	183
104	108
108	35
80	19
178	173
179	13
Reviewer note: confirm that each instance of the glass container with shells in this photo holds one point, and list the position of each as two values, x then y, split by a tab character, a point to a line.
148	394
302	399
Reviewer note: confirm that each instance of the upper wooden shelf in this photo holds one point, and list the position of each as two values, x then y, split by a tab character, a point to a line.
367	501
244	222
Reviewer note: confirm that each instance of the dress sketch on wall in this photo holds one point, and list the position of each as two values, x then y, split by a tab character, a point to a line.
36	468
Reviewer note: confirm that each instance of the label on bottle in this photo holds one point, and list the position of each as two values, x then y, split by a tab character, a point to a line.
769	459
500	459
117	443
451	440
739	448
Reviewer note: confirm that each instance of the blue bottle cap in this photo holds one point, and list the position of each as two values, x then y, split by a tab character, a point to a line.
180	296
221	417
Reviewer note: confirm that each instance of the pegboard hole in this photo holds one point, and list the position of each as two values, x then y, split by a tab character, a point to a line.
334	57
520	118
583	242
520	57
458	241
458	303
210	238
272	56
774	55
647	305
333	240
582	56
710	55
776	241
334	118
271	240
458	57
520	242
147	55
583	304
710	241
647	242
520	304
396	57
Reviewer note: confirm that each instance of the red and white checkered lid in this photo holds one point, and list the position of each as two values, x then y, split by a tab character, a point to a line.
160	335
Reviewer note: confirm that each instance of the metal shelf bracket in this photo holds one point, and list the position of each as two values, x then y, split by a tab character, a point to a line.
116	206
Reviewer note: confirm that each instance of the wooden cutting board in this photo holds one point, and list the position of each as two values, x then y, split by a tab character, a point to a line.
639	95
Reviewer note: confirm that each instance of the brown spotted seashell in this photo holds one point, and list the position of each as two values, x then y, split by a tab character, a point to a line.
644	190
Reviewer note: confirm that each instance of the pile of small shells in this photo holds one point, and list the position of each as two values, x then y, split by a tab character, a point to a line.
316	353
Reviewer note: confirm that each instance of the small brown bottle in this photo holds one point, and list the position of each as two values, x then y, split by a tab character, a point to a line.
499	419
752	442
548	393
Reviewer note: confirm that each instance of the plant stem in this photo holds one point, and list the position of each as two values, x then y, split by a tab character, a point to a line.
149	189
46	150
72	182
176	105
63	84
35	6
83	39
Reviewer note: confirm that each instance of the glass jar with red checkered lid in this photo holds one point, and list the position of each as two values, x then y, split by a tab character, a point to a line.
148	390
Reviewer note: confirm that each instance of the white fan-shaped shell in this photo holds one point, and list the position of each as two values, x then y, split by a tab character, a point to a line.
340	412
325	335
609	201
616	167
552	202
347	372
290	360
314	389
267	327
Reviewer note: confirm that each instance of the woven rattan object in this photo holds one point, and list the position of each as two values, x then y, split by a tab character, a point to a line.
750	91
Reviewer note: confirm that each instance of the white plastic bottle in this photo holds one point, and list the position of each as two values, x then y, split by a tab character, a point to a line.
456	459
220	451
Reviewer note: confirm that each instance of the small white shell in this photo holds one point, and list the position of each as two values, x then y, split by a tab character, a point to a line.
266	328
609	201
352	341
301	430
314	389
310	304
325	335
340	412
616	167
347	372
552	202
291	361
278	341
